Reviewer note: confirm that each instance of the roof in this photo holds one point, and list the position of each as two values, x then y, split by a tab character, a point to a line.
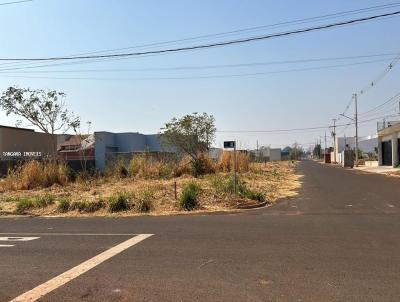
17	128
73	140
82	141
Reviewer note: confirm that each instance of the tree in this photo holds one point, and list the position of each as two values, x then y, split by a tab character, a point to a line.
193	135
296	152
43	109
317	151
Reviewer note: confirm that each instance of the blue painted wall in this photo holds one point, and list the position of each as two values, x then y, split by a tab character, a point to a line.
123	142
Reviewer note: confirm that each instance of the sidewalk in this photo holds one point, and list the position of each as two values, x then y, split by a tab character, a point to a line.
379	170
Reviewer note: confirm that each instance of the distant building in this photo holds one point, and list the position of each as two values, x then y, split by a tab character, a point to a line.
267	154
367	145
77	151
215	153
109	146
20	144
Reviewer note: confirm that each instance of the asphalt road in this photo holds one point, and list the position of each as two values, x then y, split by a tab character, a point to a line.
339	240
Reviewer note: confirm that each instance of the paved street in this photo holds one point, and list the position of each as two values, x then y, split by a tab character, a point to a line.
337	241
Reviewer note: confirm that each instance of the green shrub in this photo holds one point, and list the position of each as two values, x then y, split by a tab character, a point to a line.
225	185
87	206
144	203
23	205
255	195
119	202
189	196
220	184
93	206
78	205
63	205
43	201
72	174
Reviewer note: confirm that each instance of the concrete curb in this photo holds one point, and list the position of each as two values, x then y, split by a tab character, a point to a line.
253	206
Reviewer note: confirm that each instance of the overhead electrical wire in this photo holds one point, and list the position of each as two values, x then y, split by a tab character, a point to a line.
178	68
208	36
237	75
211	45
14	2
300	129
382	105
381	75
373	83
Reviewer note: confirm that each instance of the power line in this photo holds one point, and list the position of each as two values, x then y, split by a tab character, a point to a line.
211	45
300	129
247	30
15	70
237	75
380	76
15	2
390	100
250	29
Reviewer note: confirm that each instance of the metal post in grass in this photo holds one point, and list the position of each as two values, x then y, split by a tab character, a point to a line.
234	168
232	145
176	195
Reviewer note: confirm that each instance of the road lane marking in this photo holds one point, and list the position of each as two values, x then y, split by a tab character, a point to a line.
18	238
6	245
45	288
390	205
71	234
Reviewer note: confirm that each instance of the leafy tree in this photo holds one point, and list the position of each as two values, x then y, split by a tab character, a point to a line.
296	152
43	109
317	151
193	135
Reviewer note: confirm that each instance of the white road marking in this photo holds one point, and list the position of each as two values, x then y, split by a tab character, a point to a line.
45	288
18	238
6	245
390	205
349	205
71	234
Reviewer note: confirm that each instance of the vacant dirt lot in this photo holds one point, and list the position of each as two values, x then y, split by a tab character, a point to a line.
269	182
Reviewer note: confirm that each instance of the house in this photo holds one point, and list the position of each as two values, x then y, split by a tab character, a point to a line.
388	143
77	151
20	144
267	154
366	145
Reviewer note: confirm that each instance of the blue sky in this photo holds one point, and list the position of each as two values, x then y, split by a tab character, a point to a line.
275	101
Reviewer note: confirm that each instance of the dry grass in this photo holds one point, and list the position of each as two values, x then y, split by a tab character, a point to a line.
150	194
226	162
35	174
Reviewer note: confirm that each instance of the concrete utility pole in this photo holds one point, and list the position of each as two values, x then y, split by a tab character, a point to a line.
334	140
356	122
325	144
320	147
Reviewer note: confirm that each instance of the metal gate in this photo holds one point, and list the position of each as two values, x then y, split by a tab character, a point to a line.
387	153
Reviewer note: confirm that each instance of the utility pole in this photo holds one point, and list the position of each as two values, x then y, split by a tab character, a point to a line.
325	144
334	140
320	147
235	169
356	122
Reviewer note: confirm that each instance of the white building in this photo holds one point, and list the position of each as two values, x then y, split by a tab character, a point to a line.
268	154
388	144
366	144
